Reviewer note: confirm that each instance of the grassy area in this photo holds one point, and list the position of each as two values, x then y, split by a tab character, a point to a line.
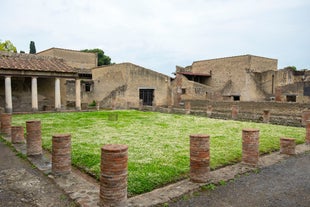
158	143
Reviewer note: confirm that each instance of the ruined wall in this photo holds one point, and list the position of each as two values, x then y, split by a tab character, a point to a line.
235	76
76	59
261	64
118	85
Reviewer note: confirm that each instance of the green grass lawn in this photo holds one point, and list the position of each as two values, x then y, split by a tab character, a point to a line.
158	144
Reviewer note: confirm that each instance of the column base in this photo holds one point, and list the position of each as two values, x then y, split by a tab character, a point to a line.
8	110
78	108
34	109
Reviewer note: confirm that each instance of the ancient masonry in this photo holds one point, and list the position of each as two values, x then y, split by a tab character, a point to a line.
113	178
199	158
61	154
34	137
250	146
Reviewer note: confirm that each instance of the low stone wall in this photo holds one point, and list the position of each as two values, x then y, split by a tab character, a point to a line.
289	114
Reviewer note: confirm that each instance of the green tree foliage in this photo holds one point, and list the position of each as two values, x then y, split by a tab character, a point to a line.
102	58
32	48
291	67
7	46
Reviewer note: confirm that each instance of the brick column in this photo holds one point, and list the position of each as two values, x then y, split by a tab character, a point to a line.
287	146
250	146
209	110
34	138
113	178
6	119
234	111
61	154
308	132
187	107
17	134
278	94
266	116
304	117
199	158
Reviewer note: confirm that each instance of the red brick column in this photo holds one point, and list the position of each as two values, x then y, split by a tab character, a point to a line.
287	146
266	116
278	94
250	146
6	120
61	154
308	132
209	110
34	137
304	117
113	179
199	158
17	134
234	111
187	107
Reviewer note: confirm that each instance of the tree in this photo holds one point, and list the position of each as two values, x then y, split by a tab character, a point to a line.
7	46
102	58
32	48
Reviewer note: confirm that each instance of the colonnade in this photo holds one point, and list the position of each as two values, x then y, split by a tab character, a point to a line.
34	94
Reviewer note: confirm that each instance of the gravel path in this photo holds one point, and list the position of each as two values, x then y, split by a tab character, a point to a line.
285	184
22	185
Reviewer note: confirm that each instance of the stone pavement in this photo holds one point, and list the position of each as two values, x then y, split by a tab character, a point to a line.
85	191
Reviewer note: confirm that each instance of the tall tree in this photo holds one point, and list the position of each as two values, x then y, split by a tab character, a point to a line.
102	58
8	46
32	48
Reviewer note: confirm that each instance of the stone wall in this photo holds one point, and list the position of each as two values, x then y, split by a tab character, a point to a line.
118	85
280	113
76	59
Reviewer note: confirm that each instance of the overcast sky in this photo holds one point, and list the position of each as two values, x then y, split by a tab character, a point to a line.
160	34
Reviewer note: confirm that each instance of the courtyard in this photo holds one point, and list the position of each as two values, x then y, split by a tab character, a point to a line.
158	143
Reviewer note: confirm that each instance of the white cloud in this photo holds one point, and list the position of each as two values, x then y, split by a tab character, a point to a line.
161	34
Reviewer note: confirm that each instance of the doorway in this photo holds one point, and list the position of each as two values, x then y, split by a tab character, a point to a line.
147	95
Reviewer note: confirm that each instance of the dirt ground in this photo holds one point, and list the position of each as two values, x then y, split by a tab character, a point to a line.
21	185
284	184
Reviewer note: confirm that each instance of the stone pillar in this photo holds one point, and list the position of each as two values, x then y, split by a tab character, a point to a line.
141	104
199	158
287	146
34	94
8	95
234	111
308	132
187	107
113	177
61	154
304	117
6	119
17	134
209	110
57	94
34	137
169	109
78	94
250	146
266	116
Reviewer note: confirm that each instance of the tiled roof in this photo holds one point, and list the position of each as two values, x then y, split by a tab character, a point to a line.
32	62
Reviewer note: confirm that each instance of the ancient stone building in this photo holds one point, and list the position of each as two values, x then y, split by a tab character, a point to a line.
83	62
124	85
231	78
30	82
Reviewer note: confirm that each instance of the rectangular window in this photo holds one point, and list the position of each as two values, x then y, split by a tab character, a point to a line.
183	90
236	98
291	98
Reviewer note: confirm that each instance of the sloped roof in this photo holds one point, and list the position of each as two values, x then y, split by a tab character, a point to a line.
32	62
